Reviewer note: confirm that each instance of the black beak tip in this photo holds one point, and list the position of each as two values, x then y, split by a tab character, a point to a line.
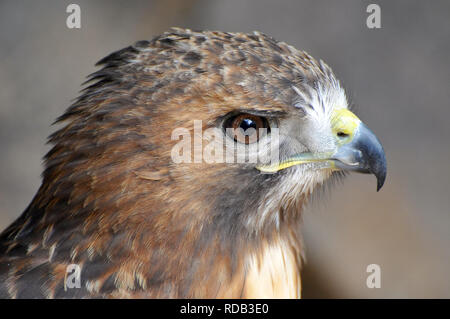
380	174
380	183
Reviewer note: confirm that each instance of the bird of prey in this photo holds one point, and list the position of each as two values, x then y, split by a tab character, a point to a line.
136	223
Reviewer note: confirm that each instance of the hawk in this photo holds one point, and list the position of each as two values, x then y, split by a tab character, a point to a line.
138	223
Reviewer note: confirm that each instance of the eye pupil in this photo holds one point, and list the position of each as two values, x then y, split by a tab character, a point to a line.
248	123
342	134
245	128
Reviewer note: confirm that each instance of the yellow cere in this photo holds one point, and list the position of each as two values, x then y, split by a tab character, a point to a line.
344	121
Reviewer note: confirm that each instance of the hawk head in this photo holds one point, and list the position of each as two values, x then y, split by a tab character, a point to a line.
181	171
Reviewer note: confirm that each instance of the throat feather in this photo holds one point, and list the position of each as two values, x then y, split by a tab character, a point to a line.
273	272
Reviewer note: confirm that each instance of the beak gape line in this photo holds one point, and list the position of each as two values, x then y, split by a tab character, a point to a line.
358	150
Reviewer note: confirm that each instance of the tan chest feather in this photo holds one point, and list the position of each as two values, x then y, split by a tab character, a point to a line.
273	273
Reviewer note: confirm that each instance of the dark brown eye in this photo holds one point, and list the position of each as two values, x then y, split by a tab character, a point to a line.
246	128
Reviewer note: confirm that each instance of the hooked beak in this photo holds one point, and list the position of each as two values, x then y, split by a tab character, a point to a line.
363	154
358	149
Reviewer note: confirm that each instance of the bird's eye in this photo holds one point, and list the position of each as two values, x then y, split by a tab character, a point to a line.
246	128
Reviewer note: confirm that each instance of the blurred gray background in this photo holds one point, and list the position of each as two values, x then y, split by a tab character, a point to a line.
397	77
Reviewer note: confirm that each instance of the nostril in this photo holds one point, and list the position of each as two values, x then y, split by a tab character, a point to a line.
342	134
